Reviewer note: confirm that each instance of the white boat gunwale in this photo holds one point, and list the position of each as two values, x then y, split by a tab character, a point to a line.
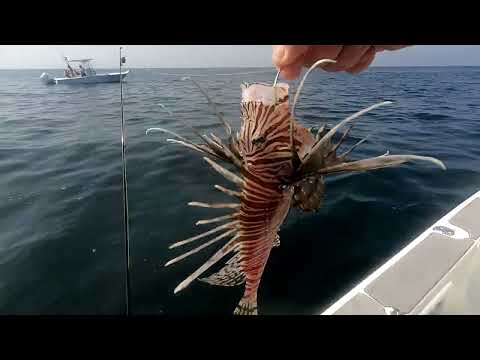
459	234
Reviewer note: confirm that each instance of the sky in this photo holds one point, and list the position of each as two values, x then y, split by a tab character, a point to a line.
168	56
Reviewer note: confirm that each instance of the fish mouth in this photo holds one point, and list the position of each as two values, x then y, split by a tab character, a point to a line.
265	94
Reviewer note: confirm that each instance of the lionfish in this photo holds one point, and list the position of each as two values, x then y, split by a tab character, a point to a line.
280	164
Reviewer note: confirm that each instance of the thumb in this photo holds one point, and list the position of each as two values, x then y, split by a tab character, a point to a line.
287	54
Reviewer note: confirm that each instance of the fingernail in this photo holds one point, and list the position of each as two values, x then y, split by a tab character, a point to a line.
290	73
283	77
331	67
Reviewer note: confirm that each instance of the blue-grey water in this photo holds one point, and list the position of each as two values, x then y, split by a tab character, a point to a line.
61	239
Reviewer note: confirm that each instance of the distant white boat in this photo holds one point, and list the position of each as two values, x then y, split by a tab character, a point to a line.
85	74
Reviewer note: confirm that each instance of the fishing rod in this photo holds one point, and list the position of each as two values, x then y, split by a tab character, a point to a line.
125	196
124	178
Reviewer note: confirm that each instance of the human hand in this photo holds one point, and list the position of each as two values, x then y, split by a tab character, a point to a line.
351	58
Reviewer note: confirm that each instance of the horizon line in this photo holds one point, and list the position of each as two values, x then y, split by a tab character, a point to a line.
223	67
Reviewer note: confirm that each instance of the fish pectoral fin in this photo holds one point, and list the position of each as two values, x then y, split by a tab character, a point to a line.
378	163
229	275
227	248
324	143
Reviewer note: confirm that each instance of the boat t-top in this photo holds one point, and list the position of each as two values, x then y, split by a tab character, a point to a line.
84	74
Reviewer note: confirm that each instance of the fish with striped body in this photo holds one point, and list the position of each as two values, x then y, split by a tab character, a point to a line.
280	164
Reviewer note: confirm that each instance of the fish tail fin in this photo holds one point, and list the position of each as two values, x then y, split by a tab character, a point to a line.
247	306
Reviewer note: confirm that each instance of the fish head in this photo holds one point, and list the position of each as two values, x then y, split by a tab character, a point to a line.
264	137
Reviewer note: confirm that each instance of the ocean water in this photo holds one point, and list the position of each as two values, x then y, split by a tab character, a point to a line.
61	239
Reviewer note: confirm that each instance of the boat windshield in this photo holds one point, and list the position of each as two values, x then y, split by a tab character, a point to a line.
85	67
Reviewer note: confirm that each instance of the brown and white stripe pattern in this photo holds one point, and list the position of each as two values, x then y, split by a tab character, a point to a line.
274	176
264	150
264	144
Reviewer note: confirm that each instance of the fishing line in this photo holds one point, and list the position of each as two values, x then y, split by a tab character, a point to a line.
247	73
230	74
170	74
276	79
125	196
124	165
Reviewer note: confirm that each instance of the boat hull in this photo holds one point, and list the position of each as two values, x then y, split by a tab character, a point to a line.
94	79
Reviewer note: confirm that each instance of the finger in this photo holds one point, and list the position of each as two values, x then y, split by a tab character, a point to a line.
318	52
348	57
292	71
379	48
364	62
284	55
